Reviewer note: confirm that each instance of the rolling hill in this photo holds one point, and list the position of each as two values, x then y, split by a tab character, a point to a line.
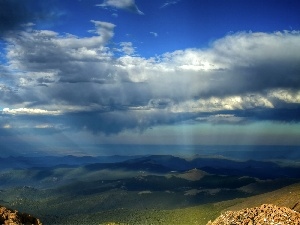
157	189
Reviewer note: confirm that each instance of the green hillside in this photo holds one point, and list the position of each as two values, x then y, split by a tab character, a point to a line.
145	191
192	215
144	207
288	196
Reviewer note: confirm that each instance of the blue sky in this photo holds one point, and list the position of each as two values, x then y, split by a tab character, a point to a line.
78	74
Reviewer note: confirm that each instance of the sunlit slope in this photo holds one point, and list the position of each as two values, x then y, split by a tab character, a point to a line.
288	196
100	202
194	215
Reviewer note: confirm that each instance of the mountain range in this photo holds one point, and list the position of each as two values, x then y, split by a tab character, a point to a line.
93	190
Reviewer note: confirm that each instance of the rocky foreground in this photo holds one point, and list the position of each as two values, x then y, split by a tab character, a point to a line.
266	214
13	217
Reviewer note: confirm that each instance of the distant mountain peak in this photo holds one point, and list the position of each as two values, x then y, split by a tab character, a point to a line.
193	174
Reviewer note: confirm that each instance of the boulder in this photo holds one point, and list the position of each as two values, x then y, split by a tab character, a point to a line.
266	214
13	217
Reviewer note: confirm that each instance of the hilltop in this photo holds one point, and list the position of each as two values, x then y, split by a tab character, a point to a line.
288	196
281	206
265	214
13	217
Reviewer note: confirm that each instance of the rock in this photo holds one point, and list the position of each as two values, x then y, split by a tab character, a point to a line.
13	217
264	215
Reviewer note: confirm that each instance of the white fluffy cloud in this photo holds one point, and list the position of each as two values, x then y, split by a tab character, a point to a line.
127	48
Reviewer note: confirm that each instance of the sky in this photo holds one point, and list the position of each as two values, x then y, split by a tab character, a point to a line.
78	74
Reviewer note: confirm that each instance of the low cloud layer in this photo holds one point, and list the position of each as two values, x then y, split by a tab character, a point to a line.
68	82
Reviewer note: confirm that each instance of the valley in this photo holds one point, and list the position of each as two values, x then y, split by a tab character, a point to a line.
151	189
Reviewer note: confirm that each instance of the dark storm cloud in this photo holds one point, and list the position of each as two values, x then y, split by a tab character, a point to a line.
290	115
8	91
112	122
109	121
116	121
251	79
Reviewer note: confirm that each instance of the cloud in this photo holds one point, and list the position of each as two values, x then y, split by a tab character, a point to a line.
128	5
169	3
222	119
82	83
26	111
154	34
50	57
127	48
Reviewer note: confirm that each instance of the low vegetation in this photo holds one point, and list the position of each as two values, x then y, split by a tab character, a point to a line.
144	191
